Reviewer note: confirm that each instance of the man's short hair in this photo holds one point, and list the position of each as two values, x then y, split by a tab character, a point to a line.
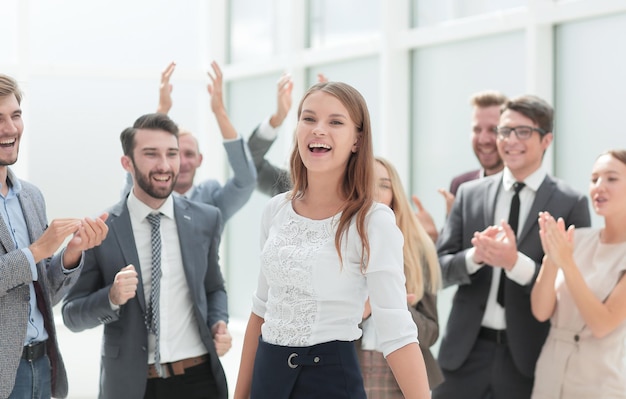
487	98
155	121
9	86
534	108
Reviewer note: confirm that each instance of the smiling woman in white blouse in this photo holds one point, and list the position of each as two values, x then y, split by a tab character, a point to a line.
326	246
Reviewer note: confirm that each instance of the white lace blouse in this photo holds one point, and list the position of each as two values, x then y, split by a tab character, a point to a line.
306	297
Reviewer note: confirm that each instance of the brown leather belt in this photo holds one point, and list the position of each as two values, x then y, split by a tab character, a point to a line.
176	368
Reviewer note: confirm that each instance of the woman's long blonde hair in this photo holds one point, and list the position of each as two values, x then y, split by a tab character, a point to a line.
421	264
358	181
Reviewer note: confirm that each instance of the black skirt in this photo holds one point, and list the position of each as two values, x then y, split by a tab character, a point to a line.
329	370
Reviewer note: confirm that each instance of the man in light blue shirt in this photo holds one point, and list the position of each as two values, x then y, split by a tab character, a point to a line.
32	277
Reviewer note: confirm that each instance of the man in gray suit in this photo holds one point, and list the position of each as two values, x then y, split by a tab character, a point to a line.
155	282
233	195
32	277
492	341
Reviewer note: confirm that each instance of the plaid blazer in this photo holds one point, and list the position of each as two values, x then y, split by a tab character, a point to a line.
15	277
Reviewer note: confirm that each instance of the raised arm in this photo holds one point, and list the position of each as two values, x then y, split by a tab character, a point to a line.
271	179
283	100
165	89
601	315
543	294
215	89
238	189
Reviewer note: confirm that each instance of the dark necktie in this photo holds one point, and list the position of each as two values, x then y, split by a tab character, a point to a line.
513	222
152	315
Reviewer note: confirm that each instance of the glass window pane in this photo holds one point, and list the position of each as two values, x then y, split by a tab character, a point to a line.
247	111
251	23
339	22
589	106
8	32
431	12
118	33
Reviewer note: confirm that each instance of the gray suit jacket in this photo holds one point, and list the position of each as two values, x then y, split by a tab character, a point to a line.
15	277
234	194
473	210
271	179
124	357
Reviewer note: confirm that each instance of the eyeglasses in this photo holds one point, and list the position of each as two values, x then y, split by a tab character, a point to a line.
521	132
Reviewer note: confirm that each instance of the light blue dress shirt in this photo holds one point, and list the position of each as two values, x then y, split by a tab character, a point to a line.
11	211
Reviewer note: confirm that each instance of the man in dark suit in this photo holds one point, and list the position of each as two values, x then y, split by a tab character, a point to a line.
33	275
155	282
492	341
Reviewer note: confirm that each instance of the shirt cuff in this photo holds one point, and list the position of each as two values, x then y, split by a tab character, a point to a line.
231	140
78	267
114	307
31	263
265	131
472	267
523	270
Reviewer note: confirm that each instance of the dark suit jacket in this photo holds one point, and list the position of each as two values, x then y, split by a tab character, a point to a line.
465	177
15	277
473	210
271	179
124	358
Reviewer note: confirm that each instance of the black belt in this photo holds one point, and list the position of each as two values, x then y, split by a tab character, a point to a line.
489	334
34	351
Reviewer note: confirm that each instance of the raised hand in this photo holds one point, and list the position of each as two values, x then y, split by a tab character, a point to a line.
124	286
283	100
557	242
52	238
215	89
321	78
448	197
496	246
165	89
425	219
90	234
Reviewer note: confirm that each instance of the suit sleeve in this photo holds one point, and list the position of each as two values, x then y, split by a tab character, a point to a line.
237	191
87	304
271	180
580	216
217	301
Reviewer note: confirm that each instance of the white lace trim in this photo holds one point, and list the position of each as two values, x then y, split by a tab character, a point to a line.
288	260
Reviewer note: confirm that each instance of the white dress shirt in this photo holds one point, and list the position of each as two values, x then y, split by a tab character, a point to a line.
524	269
179	333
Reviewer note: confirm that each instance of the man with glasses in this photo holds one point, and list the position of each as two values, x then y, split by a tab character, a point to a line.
490	248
